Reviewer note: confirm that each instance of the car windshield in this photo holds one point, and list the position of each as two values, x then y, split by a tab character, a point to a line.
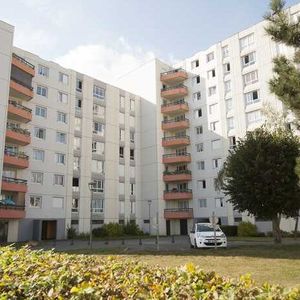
206	228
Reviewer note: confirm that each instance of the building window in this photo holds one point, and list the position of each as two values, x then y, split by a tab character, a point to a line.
99	92
78	105
226	68
230	123
253	116
77	124
216	144
232	142
43	71
216	163
121	152
197	96
40	133
61	117
77	143
60	158
201	165
132	104
131	121
99	186
201	184
202	203
198	113
64	78
98	166
132	189
199	130
214	126
132	207
61	137
59	179
195	64
41	111
35	201
42	91
225	51
248	59
212	90
122	102
57	202
98	148
200	147
75	184
227	86
122	135
78	85
211	74
98	129
98	205
76	163
37	177
98	111
250	78
228	104
75	205
131	154
210	56
132	134
62	97
196	80
213	109
219	202
121	188
132	172
122	207
247	41
252	97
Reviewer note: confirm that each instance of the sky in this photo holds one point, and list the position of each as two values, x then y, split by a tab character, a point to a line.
108	38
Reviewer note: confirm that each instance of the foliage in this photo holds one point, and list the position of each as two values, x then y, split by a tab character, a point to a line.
131	228
259	176
48	275
229	230
247	229
71	233
100	231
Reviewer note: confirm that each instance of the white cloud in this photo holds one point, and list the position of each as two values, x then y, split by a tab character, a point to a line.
105	62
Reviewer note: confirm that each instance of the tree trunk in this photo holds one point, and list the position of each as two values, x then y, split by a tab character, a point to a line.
296	227
276	229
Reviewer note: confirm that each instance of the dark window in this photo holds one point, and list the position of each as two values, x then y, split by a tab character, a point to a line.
97	221
121	152
132	154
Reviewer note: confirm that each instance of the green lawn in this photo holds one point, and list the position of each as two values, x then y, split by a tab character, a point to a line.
271	263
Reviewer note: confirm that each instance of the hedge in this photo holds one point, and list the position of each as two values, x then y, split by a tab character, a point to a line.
27	274
230	230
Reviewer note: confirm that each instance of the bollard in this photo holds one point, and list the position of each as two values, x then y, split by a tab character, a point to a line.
140	241
123	242
173	239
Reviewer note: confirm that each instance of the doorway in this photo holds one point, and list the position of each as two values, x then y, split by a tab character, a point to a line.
48	230
183	227
3	231
168	225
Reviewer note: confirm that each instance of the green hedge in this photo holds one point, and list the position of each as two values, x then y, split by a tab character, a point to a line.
229	230
247	229
26	274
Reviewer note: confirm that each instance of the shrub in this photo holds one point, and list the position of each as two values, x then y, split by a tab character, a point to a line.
113	229
132	228
100	231
229	230
26	274
71	233
247	229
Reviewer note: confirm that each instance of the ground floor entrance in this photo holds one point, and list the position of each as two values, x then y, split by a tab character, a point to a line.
177	227
3	231
183	227
49	230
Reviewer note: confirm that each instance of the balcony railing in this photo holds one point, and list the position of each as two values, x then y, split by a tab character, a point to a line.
171	138
168	88
178	210
16	104
176	155
22	83
172	71
179	191
177	172
16	154
18	130
181	101
21	59
13	180
174	120
15	207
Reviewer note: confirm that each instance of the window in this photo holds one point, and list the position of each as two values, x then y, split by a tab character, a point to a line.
201	165
43	71
216	144
232	142
59	179
197	96
121	118
60	158
98	128
121	152
76	163
250	78
131	154
62	97
253	117
37	177
132	172
38	154
64	78
98	148
202	203
35	201
42	91
57	202
121	188
122	207
248	59
97	166
225	51
77	124
132	189
99	186
122	135
41	111
78	85
75	205
40	133
61	137
219	202
216	162
228	104
121	170
214	126
196	80
227	86
98	205
98	92
61	117
195	64
210	56
132	207
252	97
78	104
200	147
198	113
247	41
75	184
199	130
212	90
132	134
211	74
213	109
122	102
230	123
226	68
131	121
77	143
132	104
201	184
98	111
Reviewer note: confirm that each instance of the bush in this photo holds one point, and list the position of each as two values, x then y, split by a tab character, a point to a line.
132	228
26	274
71	233
247	229
229	230
100	232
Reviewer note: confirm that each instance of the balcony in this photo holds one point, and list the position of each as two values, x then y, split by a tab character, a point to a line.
17	136
10	184
19	112
19	90
175	107
177	158
176	141
22	64
15	159
173	76
175	194
12	211
177	176
173	92
178	213
175	124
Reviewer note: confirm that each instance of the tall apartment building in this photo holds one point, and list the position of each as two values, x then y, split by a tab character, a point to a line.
153	157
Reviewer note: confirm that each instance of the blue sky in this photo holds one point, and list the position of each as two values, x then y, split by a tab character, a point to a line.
106	38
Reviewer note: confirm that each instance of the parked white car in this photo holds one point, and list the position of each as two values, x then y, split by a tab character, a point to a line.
202	236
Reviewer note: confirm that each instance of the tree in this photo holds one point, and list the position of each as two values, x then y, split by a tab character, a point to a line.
286	81
259	176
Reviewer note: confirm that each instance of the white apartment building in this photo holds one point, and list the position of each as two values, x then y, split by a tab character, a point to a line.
152	155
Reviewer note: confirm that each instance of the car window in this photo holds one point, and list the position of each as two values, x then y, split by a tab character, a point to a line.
207	228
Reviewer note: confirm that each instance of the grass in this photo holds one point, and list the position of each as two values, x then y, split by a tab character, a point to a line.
276	264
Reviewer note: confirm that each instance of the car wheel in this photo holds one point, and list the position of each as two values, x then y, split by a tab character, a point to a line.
191	245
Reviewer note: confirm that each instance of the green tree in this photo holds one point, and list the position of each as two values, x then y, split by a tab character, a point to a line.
259	176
